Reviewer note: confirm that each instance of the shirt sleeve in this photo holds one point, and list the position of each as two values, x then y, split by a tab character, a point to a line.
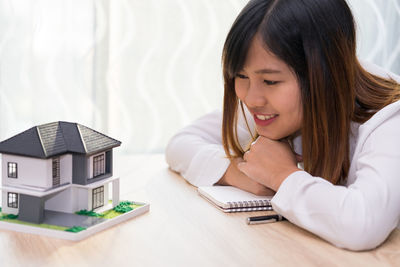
196	152
358	216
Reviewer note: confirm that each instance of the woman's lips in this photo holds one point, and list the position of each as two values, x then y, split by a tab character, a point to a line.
264	120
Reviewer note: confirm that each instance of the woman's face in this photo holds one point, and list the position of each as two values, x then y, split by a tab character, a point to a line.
270	90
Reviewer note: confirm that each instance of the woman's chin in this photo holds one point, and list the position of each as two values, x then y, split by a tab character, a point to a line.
274	135
269	135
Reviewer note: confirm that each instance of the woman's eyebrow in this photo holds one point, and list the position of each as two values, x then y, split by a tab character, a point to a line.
263	71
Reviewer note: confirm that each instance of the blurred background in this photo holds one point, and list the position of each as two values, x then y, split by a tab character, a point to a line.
137	70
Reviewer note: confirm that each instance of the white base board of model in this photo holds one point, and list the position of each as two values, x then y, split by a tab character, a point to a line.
79	235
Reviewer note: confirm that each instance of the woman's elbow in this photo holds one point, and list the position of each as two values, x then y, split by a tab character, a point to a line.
173	152
360	244
366	237
169	152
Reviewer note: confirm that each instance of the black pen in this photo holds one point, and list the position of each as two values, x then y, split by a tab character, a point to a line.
265	219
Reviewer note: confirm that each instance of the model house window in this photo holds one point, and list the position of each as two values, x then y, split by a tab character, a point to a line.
98	197
12	170
56	171
12	200
98	165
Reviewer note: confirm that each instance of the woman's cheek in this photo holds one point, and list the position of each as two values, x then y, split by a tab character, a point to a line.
240	89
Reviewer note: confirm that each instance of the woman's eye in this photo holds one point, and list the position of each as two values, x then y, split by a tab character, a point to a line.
268	82
241	76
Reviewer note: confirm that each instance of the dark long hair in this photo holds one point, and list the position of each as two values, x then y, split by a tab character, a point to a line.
317	40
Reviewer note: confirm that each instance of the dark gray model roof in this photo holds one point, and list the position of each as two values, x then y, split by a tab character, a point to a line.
57	138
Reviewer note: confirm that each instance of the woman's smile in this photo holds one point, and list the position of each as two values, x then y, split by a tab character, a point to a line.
264	120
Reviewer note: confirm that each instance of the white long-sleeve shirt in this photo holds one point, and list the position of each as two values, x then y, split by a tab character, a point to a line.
357	215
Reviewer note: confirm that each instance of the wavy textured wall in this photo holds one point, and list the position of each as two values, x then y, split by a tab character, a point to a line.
137	70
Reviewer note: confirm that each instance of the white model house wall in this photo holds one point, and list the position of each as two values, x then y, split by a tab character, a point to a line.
30	172
36	173
65	169
33	173
74	199
70	200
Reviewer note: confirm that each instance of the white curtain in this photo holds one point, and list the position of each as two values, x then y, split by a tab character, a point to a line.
136	70
46	63
378	29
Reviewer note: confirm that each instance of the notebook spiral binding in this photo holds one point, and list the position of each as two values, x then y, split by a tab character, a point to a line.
249	204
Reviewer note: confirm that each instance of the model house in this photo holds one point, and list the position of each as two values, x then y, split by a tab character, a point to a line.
60	166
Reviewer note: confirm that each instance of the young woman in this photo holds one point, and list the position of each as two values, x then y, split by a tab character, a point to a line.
296	92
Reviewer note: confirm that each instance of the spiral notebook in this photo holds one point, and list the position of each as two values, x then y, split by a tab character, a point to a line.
232	199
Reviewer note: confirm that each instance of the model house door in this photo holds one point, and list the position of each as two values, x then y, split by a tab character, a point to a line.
56	171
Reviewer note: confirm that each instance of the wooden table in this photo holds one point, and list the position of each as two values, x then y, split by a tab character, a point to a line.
183	229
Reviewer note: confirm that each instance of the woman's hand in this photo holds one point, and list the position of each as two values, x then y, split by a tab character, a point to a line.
233	176
269	162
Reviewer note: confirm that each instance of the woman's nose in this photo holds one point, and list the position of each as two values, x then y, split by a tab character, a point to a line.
255	97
